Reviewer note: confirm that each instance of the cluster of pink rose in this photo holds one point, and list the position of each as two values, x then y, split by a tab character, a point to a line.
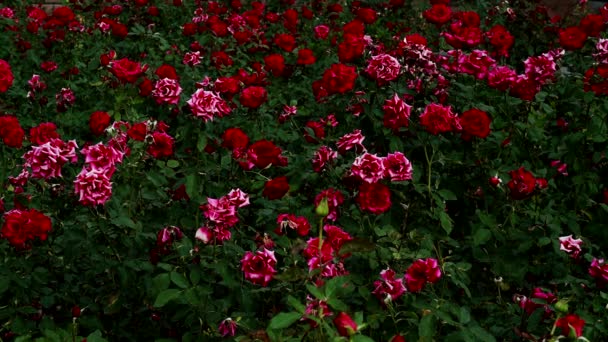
222	215
421	272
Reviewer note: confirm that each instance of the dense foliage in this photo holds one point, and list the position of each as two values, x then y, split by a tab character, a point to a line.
303	170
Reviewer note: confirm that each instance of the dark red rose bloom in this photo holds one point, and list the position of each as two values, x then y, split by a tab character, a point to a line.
127	71
162	145
345	325
275	64
572	38
189	29
227	85
263	153
306	57
120	30
500	39
596	80
339	78
285	41
571	320
11	132
522	184
475	123
276	188
146	87
593	25
439	14
234	139
351	48
138	131
421	272
253	97
6	76
354	27
43	133
217	26
98	122
64	14
367	15
374	198
166	71
318	130
221	59
21	226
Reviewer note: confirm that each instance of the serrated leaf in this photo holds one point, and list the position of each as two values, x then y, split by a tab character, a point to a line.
315	291
96	336
165	297
296	304
283	320
172	163
481	236
361	338
426	329
482	334
446	222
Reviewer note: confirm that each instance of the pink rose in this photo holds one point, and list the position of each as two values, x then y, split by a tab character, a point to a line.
167	91
259	267
383	68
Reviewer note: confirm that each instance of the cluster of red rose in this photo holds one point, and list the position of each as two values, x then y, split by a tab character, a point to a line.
596	78
21	226
523	184
421	272
11	132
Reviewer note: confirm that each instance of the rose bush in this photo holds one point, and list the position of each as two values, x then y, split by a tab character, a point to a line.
312	170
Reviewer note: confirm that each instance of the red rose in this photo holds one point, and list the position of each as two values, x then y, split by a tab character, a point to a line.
339	78
263	153
189	29
572	38
43	133
439	119
345	325
64	14
421	272
166	71
221	59
217	26
285	41
275	63
20	226
127	71
11	132
475	123
374	198
351	48
306	57
367	15
439	14
592	24
227	85
146	87
138	131
253	97
522	184
120	30
571	321
162	145
276	188
317	128
98	122
235	139
500	39
6	76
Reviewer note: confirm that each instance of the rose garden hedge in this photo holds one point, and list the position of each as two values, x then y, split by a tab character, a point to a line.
303	170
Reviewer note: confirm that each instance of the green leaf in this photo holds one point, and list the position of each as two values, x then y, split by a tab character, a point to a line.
96	337
482	334
161	282
201	143
192	185
361	338
179	280
481	236
446	222
426	329
465	316
357	245
315	292
172	163
296	304
447	195
284	319
165	297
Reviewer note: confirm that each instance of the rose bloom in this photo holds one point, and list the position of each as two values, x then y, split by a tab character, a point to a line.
127	71
540	68
227	327
368	167
220	211
93	187
162	145
166	71
315	308
572	38
351	48
102	157
569	322
98	122
529	306
253	97
345	325
396	113
437	119
259	267
334	200
263	153
306	57
285	41
350	141
276	188
300	224
421	272
275	64
6	76
21	226
192	58
321	31
522	184
46	160
524	88
43	133
389	288
438	14
374	198
397	167
11	132
235	139
167	91
339	78
475	123
599	270
383	68
207	104
323	156
570	245
477	63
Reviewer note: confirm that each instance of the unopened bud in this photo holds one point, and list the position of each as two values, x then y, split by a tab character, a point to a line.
323	208
562	306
